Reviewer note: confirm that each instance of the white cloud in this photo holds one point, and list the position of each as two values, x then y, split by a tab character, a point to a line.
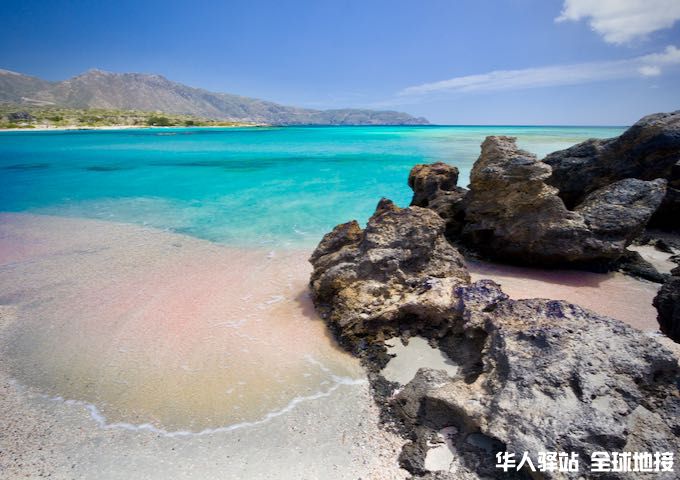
649	71
621	21
670	56
554	75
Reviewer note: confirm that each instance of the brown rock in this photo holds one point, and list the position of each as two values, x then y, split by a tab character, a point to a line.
365	283
434	187
513	215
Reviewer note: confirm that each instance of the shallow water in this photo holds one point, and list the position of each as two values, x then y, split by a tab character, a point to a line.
253	186
157	328
408	359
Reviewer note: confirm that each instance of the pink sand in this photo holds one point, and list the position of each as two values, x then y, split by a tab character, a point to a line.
612	294
157	327
152	326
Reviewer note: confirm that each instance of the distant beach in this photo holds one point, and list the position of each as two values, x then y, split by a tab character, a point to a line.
70	128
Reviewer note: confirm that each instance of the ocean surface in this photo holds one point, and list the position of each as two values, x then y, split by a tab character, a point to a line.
268	187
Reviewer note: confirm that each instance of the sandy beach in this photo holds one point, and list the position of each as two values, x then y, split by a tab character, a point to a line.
119	340
133	350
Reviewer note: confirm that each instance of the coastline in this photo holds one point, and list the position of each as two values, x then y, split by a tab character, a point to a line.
71	128
182	317
53	435
60	439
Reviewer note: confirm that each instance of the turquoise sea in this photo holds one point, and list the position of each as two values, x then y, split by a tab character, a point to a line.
267	186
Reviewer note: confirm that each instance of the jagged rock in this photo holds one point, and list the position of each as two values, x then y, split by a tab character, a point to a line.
633	264
512	214
555	377
622	209
667	303
668	214
366	282
648	150
434	187
429	180
533	375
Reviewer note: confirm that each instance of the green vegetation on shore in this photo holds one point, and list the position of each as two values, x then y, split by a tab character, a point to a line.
30	116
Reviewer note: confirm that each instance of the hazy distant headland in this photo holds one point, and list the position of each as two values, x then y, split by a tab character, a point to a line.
97	89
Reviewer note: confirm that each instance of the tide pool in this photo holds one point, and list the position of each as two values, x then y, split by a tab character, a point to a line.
280	187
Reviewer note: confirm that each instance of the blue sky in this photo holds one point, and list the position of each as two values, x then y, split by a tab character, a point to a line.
452	61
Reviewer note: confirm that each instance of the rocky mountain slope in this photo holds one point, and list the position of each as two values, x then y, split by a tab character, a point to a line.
136	91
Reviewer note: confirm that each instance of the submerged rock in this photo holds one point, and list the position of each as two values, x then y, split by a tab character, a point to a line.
648	150
667	303
512	214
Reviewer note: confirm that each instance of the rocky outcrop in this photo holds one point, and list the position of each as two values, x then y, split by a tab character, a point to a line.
428	181
667	303
533	375
512	214
667	216
366	283
555	377
648	150
622	209
434	187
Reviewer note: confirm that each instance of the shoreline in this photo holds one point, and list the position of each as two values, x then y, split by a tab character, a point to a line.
77	437
189	326
122	127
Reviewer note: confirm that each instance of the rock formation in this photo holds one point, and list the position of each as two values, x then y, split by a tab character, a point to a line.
578	207
667	303
366	282
648	150
512	214
554	377
533	375
434	187
430	181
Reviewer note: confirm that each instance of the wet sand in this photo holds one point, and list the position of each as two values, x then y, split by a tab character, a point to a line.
159	328
130	351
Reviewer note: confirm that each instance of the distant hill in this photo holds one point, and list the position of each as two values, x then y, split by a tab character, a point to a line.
136	91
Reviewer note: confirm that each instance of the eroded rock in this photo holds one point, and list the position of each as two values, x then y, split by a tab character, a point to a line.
622	209
648	150
366	283
555	377
430	180
435	187
512	214
531	375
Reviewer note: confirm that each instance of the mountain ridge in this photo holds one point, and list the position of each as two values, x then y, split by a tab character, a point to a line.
97	88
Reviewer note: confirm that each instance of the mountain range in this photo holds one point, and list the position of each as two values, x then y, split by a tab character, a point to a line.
137	91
